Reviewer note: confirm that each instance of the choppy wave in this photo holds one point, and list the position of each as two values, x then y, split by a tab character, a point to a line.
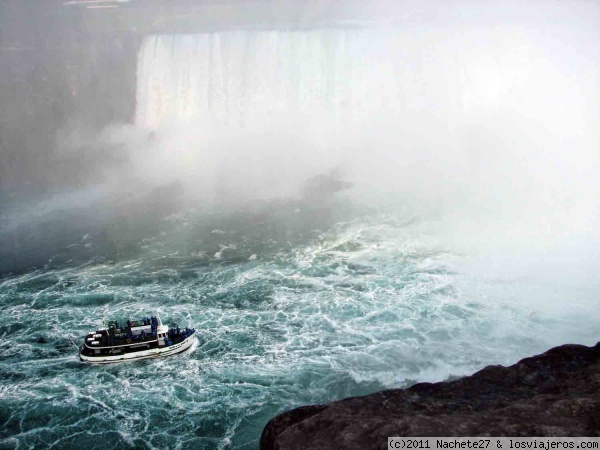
357	306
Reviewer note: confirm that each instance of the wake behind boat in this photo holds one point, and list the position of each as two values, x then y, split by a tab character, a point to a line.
133	340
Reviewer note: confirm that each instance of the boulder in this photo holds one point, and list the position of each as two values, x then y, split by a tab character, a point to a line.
556	393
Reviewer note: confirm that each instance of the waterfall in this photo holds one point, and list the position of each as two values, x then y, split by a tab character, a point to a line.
264	109
234	78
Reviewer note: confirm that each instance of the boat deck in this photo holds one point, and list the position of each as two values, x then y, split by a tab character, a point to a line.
133	336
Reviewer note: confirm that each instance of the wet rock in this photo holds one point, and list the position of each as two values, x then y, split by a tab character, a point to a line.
556	393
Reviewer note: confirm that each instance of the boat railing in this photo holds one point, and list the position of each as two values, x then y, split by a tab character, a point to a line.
136	332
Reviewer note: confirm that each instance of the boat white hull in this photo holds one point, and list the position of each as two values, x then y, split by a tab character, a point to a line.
142	354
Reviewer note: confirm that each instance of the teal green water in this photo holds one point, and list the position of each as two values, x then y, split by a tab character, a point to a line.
288	313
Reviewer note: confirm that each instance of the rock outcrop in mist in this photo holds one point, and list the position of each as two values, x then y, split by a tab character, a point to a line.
552	394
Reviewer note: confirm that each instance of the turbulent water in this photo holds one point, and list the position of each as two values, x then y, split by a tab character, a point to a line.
296	301
287	315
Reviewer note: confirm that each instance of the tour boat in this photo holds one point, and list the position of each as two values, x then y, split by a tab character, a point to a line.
133	340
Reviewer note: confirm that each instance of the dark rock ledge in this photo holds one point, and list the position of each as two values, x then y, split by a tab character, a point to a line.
553	394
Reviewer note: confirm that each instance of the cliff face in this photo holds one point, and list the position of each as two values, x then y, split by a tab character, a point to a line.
553	394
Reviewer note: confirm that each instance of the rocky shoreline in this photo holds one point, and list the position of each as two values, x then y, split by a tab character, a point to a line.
556	393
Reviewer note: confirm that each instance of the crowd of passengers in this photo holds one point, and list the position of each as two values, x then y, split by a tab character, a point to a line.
174	334
179	334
